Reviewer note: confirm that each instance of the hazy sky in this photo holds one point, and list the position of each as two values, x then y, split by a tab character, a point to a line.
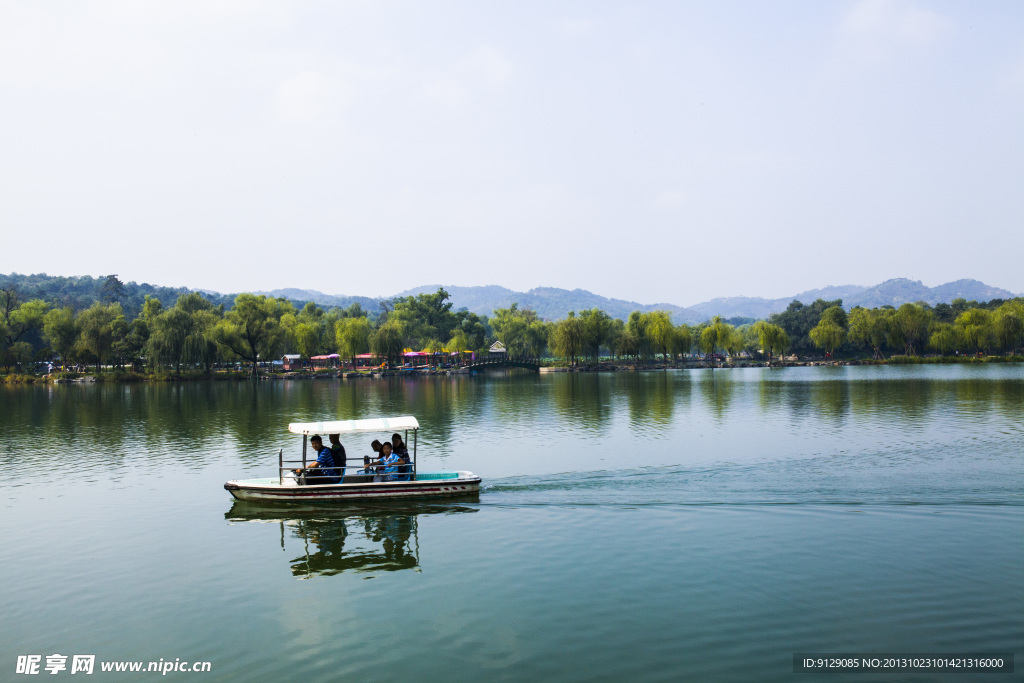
653	151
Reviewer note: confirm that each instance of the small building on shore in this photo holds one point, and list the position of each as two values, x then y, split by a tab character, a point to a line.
497	350
291	361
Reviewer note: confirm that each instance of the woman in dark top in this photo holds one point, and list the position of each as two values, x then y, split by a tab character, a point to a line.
399	448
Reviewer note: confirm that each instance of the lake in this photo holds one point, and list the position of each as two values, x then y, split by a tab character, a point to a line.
694	525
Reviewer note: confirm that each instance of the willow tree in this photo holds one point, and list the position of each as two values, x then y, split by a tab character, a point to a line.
828	336
943	338
99	327
387	341
660	331
597	332
185	332
830	332
772	338
352	336
636	327
1009	324
976	328
566	339
459	343
717	334
252	329
682	340
867	326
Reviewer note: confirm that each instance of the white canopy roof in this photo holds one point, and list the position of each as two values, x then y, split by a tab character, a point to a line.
380	424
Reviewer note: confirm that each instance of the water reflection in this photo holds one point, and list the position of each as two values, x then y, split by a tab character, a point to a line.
717	388
384	537
651	397
103	427
583	399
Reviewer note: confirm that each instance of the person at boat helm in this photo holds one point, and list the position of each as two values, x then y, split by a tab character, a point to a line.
321	471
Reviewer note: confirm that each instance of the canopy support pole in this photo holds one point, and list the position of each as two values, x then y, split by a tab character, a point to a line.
415	432
304	437
280	465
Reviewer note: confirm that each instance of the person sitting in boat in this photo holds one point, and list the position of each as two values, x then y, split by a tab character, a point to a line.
399	448
321	471
390	463
338	451
375	446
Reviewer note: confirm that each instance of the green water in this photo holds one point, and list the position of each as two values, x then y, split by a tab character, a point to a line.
699	525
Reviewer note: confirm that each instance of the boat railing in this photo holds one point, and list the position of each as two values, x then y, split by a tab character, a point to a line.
286	467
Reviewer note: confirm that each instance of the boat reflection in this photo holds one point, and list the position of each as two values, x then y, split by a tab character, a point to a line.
364	538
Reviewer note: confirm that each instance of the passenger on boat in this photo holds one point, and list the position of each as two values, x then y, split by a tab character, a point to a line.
338	451
390	464
321	470
402	451
375	446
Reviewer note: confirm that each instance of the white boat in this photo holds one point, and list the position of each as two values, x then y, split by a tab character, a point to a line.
355	484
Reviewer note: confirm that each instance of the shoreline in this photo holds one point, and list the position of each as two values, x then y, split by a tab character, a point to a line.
122	377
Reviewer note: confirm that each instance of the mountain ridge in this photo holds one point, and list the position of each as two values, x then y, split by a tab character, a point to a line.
552	303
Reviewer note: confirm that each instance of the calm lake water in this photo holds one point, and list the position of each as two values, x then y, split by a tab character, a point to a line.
701	525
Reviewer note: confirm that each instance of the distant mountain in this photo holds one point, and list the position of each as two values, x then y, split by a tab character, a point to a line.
301	296
551	303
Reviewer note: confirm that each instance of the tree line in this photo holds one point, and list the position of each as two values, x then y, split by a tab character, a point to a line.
196	332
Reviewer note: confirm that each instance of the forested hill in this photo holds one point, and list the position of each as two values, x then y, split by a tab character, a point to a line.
550	303
81	292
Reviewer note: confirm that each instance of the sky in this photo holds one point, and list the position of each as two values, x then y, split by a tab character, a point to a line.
650	151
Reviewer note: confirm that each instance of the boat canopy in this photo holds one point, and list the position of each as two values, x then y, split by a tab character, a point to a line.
379	424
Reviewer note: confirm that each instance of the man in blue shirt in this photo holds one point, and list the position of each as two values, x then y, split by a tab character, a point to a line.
324	464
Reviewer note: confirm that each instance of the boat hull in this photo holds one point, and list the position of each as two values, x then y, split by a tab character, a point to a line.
271	491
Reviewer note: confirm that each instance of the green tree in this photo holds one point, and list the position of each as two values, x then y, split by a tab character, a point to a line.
566	338
912	322
976	328
772	338
636	325
868	327
387	341
660	331
18	322
830	332
20	353
99	326
717	334
425	317
60	329
252	329
133	345
352	336
682	340
798	320
537	333
597	329
1009	324
827	336
458	343
512	325
943	338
